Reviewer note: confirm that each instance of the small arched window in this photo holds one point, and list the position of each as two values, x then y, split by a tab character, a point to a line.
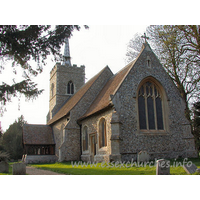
102	133
148	62
52	89
70	88
150	107
85	138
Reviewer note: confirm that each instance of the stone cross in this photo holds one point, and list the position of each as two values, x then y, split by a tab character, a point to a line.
145	37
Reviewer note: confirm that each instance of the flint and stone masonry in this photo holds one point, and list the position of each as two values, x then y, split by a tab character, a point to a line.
108	106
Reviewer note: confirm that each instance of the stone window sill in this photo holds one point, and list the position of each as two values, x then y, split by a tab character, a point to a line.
103	149
85	152
152	132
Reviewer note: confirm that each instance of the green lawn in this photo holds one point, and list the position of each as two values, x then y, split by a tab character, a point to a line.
113	168
109	169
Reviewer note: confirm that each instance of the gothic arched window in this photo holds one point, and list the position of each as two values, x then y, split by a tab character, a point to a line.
150	107
102	133
85	138
70	88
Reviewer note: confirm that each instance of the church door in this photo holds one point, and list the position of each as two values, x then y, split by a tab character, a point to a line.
92	147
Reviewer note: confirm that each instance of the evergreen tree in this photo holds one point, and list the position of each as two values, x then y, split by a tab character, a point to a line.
22	44
12	139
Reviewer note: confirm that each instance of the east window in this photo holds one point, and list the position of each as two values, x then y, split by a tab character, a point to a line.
150	107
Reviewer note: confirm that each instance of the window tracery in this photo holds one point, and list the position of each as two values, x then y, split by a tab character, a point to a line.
150	106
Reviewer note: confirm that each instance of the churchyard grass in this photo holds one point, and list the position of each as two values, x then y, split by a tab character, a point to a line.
113	169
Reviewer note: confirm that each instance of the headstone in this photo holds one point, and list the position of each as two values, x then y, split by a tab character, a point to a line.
19	169
4	167
163	167
143	156
190	169
198	171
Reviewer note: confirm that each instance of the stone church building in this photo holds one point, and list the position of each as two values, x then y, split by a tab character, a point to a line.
112	117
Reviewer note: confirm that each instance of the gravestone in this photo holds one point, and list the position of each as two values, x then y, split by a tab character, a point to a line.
4	167
190	169
143	156
198	171
163	167
19	169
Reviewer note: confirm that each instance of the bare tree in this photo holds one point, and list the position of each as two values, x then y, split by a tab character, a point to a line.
179	57
134	47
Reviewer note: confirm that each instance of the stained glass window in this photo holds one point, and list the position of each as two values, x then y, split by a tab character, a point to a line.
159	113
150	107
142	115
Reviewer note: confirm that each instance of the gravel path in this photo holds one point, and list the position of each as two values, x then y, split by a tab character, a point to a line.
35	171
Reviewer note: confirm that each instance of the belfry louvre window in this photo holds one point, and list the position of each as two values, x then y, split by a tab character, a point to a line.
85	138
150	107
70	88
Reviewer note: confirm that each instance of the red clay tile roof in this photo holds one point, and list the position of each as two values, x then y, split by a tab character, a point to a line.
74	99
37	134
103	99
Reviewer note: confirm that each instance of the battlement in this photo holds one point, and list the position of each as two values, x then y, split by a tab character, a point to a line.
67	68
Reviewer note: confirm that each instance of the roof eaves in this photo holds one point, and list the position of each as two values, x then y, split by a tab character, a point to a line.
50	123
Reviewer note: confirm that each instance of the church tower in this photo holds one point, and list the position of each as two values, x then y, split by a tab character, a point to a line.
65	80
